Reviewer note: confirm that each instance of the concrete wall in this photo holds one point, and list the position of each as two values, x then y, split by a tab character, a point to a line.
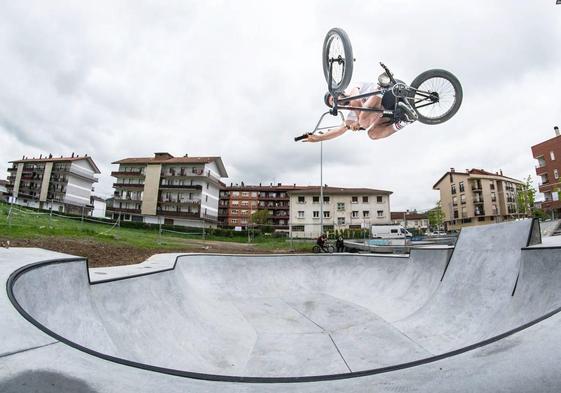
151	187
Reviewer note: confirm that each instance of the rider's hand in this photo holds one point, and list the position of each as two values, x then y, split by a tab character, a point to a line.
355	126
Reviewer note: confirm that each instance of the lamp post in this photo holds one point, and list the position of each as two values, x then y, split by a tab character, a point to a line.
321	187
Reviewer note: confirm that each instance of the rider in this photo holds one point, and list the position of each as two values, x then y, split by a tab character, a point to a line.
374	123
321	240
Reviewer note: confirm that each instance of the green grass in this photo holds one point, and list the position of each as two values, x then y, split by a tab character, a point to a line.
24	223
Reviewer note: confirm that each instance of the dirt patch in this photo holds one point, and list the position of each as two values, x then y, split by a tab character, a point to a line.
103	254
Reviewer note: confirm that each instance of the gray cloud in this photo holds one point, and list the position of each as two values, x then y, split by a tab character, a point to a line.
241	79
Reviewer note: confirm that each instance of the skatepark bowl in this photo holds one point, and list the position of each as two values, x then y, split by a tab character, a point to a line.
300	320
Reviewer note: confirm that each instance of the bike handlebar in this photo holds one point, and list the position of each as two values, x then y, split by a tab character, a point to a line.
303	136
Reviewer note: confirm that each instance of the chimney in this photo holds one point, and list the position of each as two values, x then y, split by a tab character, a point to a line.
259	184
50	155
186	155
501	171
279	184
556	129
452	170
72	154
40	156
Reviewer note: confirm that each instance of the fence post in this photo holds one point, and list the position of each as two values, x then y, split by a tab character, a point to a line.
10	213
82	219
50	215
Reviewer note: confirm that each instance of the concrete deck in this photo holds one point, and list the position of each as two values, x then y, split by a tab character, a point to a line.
480	318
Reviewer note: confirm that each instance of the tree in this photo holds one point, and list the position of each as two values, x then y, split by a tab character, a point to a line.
261	219
526	197
436	216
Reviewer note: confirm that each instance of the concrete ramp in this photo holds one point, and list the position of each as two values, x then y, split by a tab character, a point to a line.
240	317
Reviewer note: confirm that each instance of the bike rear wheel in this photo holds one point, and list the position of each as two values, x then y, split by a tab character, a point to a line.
438	96
316	249
330	249
337	50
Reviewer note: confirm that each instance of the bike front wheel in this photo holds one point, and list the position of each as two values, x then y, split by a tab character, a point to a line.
438	96
316	249
330	249
337	54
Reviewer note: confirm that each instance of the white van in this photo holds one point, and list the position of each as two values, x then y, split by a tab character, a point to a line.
390	232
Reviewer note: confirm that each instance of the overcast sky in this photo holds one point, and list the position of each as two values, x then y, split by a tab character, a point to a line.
239	79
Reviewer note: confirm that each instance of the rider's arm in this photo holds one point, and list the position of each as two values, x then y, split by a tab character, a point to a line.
330	134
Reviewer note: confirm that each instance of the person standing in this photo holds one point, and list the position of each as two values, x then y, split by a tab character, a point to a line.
340	244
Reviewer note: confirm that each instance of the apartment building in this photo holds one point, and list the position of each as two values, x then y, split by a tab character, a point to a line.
548	169
477	197
62	183
411	220
3	190
168	190
343	208
239	202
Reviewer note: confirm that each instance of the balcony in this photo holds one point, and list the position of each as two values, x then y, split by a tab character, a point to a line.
126	210
123	185
171	213
184	202
181	186
478	201
127	174
479	213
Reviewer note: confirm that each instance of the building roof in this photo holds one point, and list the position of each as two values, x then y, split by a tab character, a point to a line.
475	173
556	139
269	187
408	215
51	158
97	198
166	158
339	191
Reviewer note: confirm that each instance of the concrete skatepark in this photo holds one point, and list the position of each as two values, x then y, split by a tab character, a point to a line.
482	316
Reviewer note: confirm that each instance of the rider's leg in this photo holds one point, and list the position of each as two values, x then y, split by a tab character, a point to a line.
367	119
381	130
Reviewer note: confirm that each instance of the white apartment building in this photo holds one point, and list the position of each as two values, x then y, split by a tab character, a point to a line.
168	190
343	208
60	183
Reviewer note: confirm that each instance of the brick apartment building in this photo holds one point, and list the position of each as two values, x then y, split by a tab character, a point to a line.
548	169
61	183
477	197
343	208
168	190
239	202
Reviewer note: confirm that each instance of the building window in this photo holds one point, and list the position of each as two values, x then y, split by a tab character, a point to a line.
325	199
301	199
493	197
354	199
552	155
556	174
453	188
301	214
380	199
207	186
234	220
454	201
462	199
340	220
326	214
492	186
455	214
340	206
315	214
364	199
298	228
315	199
365	214
354	214
206	198
461	184
380	213
245	194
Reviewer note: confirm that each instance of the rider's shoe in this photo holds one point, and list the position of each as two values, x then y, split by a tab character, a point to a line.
409	113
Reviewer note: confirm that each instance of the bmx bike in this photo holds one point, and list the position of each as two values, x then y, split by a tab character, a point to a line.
435	95
327	248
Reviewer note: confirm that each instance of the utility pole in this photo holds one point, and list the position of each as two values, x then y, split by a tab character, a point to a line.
321	187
